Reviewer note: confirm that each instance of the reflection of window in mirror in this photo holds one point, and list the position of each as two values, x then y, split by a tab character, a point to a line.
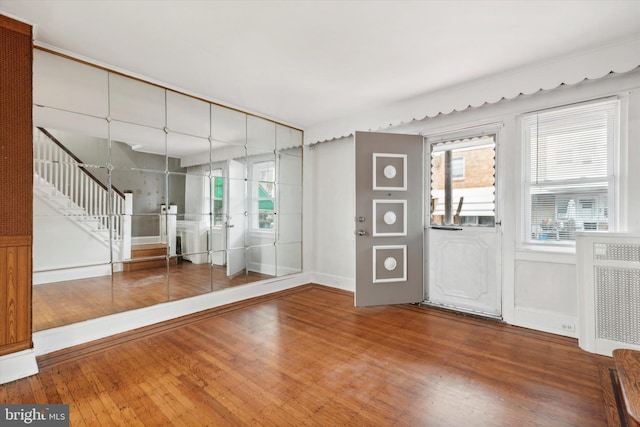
213	196
263	194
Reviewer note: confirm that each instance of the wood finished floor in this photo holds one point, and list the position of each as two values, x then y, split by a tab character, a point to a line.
309	357
63	303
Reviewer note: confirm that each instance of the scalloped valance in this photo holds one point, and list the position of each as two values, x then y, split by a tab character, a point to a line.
619	57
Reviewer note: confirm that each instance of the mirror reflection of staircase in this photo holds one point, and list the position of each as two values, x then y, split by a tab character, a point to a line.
145	256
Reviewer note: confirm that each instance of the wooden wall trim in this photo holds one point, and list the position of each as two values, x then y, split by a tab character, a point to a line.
15	26
16	133
16	184
10	241
15	298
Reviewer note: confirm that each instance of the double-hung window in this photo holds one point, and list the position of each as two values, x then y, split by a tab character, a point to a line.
217	197
263	195
213	197
569	173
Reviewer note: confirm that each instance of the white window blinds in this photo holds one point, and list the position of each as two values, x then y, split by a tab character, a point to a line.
569	184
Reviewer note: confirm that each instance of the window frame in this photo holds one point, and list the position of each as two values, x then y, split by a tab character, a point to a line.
611	210
254	213
210	198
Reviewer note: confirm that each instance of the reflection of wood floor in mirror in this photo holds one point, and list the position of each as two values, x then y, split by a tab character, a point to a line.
63	303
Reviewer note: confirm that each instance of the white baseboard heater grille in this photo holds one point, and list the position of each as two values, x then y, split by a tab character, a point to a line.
609	289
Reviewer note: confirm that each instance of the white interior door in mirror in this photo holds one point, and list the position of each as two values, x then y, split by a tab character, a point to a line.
236	219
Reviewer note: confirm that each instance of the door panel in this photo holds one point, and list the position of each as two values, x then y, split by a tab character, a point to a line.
464	239
236	219
389	218
463	270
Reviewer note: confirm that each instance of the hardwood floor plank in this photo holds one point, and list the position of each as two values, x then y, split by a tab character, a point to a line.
309	357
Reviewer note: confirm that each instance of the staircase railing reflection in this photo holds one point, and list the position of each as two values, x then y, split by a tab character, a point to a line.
88	196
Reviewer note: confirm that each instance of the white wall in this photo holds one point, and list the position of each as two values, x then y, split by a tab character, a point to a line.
332	214
62	250
539	286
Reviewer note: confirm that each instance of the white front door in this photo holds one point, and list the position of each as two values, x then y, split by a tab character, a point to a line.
463	241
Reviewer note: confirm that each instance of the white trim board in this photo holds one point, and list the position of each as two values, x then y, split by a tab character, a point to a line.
332	281
70	273
18	365
545	321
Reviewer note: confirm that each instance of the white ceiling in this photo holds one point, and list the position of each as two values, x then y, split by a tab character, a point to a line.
309	62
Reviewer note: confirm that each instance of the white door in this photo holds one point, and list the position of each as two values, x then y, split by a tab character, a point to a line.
463	240
217	204
236	218
389	220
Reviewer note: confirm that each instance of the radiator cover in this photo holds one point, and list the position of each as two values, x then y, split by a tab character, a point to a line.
609	289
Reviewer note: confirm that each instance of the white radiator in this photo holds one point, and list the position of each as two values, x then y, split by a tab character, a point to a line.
609	291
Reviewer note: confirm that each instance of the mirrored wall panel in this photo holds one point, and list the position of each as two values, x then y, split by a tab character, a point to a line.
143	195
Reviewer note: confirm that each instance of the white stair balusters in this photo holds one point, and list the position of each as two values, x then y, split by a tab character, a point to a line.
70	186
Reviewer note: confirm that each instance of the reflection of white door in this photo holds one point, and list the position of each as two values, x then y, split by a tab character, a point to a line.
464	240
216	204
236	218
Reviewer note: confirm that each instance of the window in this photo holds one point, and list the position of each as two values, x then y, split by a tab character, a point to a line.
458	196
457	168
214	196
568	183
263	194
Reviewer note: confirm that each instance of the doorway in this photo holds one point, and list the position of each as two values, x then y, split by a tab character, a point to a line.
463	236
425	224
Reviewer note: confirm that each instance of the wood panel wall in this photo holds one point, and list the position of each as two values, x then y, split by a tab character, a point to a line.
16	183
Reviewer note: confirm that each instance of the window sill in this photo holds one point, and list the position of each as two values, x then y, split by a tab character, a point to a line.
261	232
544	253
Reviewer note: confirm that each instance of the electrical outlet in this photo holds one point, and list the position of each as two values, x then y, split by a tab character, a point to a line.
568	327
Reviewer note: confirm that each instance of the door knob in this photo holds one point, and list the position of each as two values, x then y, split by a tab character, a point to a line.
361	232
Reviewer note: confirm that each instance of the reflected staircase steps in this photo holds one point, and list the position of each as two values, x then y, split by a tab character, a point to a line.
152	255
628	370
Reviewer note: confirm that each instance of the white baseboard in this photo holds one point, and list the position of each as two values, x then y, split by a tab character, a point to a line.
145	240
605	347
270	269
285	271
71	273
339	282
261	268
18	365
61	337
546	321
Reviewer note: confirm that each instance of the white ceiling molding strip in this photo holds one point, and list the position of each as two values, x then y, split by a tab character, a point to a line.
619	57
